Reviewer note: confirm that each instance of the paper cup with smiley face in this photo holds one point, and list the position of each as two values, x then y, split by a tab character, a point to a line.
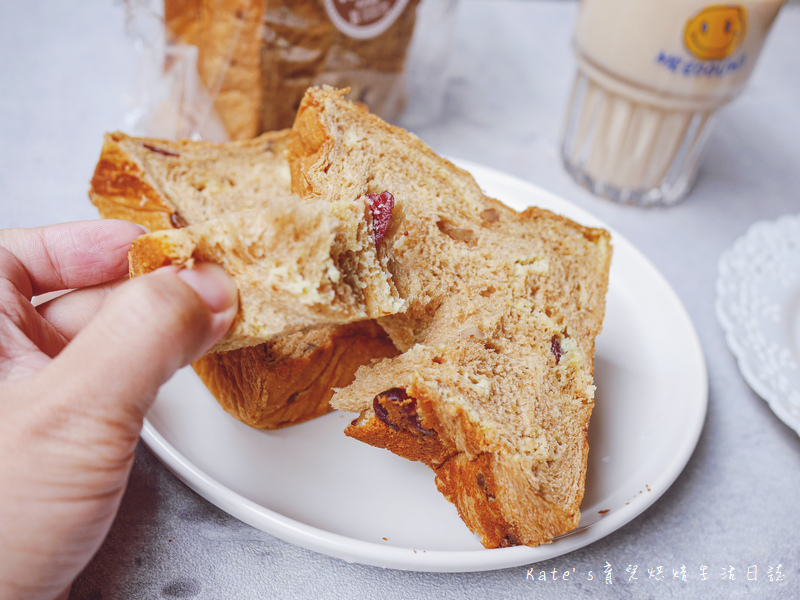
651	75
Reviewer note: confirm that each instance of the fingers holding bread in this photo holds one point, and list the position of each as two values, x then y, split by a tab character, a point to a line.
167	186
146	330
486	317
297	266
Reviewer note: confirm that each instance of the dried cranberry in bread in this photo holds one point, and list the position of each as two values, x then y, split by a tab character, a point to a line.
296	265
167	185
494	389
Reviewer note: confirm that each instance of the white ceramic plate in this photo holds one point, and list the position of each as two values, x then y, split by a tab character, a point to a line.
312	486
758	305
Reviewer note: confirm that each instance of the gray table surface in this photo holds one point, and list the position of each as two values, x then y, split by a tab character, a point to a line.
66	68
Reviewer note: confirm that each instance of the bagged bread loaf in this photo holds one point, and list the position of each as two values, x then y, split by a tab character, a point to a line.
257	57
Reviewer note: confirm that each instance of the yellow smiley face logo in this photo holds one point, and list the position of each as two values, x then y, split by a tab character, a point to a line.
715	32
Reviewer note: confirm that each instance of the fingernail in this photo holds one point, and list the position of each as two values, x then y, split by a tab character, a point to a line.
213	284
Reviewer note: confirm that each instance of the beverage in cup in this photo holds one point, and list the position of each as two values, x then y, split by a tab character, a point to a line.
651	75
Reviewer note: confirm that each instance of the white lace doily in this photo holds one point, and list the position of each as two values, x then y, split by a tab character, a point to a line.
758	305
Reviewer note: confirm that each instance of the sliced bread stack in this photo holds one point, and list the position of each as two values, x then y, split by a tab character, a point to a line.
491	316
202	201
494	388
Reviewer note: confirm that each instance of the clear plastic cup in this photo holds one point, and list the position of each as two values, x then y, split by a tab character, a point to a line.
651	75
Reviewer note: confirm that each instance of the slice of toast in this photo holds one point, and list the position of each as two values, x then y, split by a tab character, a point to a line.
297	266
167	185
494	389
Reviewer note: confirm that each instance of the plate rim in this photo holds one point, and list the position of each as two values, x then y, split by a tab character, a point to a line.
450	561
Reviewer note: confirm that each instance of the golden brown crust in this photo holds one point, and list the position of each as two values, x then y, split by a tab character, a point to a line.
148	254
490	496
481	487
229	41
120	189
404	425
275	384
487	494
181	20
470	485
309	142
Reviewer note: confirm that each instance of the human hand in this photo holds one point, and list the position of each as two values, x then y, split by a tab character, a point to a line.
77	375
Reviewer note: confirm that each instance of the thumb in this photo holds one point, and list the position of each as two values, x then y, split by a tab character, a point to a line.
146	330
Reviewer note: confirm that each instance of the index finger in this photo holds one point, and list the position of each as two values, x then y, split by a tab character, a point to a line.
66	256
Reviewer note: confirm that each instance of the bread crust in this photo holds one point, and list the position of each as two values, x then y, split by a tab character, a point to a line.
490	490
182	20
120	189
290	381
491	496
229	64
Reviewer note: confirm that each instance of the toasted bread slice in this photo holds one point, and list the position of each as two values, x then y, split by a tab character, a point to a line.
169	184
297	266
166	185
494	389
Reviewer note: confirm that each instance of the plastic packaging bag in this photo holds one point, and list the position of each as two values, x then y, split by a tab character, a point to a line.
222	69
